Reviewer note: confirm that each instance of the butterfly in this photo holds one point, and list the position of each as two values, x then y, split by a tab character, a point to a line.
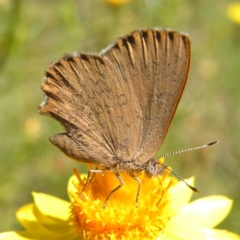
117	105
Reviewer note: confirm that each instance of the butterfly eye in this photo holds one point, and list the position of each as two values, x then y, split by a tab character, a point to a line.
150	170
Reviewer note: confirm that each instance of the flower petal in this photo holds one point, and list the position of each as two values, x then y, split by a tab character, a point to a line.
52	207
27	216
25	236
14	235
177	230
215	234
181	194
206	212
40	226
70	187
36	236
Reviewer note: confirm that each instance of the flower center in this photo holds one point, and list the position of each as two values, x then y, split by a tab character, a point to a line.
121	218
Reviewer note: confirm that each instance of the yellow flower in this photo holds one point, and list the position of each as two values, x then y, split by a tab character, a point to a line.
121	219
47	218
233	12
117	2
163	212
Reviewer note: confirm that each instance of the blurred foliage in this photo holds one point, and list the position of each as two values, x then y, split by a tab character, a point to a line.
34	33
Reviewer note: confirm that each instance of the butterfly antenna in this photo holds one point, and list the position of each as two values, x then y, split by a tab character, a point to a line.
182	151
191	149
180	178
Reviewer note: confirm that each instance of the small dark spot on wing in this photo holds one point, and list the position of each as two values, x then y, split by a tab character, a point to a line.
158	36
145	35
131	40
84	57
185	41
68	57
171	36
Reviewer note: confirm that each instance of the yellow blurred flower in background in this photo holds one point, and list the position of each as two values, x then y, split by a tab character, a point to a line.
117	2
32	127
233	12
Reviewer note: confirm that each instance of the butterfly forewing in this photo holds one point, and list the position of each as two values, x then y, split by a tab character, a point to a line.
116	106
156	64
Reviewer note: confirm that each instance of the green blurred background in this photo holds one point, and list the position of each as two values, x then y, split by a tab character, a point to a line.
34	33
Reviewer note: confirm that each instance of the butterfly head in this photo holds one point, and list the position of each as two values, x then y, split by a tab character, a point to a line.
153	168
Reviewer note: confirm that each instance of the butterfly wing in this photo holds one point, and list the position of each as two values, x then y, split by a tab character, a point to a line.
155	63
117	106
93	103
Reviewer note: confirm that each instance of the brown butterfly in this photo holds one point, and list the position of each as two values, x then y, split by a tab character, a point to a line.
117	105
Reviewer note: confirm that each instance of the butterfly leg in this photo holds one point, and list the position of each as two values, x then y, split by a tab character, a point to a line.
162	192
115	189
139	187
160	198
89	180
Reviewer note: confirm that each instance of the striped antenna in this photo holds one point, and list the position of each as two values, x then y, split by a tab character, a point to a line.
191	149
182	151
180	178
